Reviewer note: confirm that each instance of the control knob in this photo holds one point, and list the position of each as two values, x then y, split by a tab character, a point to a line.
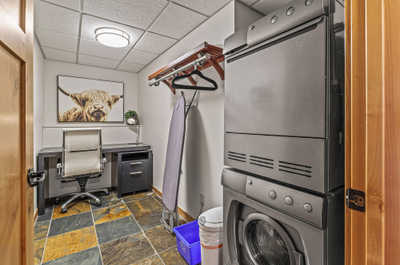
288	200
308	207
272	194
290	11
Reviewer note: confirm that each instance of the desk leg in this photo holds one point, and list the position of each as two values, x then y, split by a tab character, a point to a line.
40	188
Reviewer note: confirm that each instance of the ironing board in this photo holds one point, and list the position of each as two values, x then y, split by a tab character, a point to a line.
173	163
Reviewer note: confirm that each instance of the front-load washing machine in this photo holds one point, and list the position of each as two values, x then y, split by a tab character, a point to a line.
267	223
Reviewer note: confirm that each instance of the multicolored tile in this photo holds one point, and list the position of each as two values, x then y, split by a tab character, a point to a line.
172	257
116	229
137	196
38	247
87	257
108	201
127	250
77	208
154	260
150	220
144	206
69	243
161	238
41	229
109	214
70	223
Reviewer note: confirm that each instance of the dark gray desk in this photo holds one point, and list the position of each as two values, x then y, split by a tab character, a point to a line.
119	151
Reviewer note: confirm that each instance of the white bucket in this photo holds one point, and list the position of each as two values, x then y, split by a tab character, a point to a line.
211	236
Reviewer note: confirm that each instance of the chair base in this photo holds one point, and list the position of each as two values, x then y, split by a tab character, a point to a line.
78	195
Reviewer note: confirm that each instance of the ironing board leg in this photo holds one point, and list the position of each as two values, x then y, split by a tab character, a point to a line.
169	219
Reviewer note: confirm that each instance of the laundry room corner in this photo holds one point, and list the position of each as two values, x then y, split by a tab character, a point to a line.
202	164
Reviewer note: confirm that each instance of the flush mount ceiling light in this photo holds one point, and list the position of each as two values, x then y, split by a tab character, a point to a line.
112	37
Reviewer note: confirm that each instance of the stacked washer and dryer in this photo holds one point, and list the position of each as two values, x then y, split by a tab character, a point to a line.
284	147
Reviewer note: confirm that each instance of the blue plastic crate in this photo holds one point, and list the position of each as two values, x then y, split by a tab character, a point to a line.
188	242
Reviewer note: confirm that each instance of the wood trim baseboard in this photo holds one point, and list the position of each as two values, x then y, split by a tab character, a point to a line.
187	217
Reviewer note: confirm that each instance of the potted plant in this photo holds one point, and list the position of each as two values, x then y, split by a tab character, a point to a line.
131	117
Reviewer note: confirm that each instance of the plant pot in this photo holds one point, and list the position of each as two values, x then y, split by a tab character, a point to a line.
131	121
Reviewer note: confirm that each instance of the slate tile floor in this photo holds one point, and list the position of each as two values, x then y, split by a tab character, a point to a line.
124	231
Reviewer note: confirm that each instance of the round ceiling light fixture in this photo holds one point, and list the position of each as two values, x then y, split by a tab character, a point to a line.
112	37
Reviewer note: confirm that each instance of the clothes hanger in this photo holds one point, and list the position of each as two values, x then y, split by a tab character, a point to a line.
198	73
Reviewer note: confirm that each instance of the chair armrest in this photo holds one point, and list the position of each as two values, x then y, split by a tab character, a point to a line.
103	162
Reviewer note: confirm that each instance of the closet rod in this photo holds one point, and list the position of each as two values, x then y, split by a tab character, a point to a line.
173	73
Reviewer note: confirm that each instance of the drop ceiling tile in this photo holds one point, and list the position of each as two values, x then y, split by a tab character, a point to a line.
138	13
130	67
51	17
94	48
207	7
57	40
154	43
140	57
267	6
59	55
97	61
176	21
73	4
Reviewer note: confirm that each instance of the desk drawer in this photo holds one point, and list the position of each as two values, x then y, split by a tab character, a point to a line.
133	165
133	177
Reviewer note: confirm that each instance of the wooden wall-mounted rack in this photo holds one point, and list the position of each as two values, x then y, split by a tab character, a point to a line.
202	57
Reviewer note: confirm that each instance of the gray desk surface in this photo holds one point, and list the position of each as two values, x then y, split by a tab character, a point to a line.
107	148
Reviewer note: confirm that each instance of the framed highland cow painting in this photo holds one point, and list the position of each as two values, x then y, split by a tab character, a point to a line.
89	100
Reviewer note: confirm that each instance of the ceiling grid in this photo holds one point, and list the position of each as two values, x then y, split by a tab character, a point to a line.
65	28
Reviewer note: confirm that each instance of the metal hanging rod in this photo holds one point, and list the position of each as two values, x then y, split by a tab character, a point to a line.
198	61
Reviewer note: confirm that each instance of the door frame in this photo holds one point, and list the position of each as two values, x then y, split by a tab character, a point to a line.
18	39
373	130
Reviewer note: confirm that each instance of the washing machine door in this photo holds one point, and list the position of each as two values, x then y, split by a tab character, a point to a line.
267	243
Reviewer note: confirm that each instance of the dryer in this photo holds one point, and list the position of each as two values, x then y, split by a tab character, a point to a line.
284	103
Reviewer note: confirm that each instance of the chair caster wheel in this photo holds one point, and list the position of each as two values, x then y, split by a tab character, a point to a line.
96	202
63	210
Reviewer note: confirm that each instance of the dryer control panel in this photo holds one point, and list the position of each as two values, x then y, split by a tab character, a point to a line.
303	205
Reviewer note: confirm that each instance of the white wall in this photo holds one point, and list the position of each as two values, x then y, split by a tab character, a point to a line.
38	93
112	133
203	155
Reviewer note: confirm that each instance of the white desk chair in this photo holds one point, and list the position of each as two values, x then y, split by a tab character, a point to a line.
82	159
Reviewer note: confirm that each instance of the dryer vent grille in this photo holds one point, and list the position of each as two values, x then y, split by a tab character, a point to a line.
296	169
261	161
239	157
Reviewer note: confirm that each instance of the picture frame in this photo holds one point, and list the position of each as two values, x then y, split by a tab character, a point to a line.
87	100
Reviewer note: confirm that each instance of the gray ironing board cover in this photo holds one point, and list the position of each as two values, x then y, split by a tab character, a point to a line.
174	156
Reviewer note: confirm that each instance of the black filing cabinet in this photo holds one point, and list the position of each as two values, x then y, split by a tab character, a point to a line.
135	171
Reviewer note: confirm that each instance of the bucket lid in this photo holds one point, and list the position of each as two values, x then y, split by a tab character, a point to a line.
212	218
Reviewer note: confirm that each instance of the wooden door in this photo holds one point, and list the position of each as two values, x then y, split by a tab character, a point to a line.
16	137
373	130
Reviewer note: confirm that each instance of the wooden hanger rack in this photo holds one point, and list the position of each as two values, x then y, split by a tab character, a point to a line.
202	57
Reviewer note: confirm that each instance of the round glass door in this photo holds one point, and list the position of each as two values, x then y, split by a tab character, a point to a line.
266	241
